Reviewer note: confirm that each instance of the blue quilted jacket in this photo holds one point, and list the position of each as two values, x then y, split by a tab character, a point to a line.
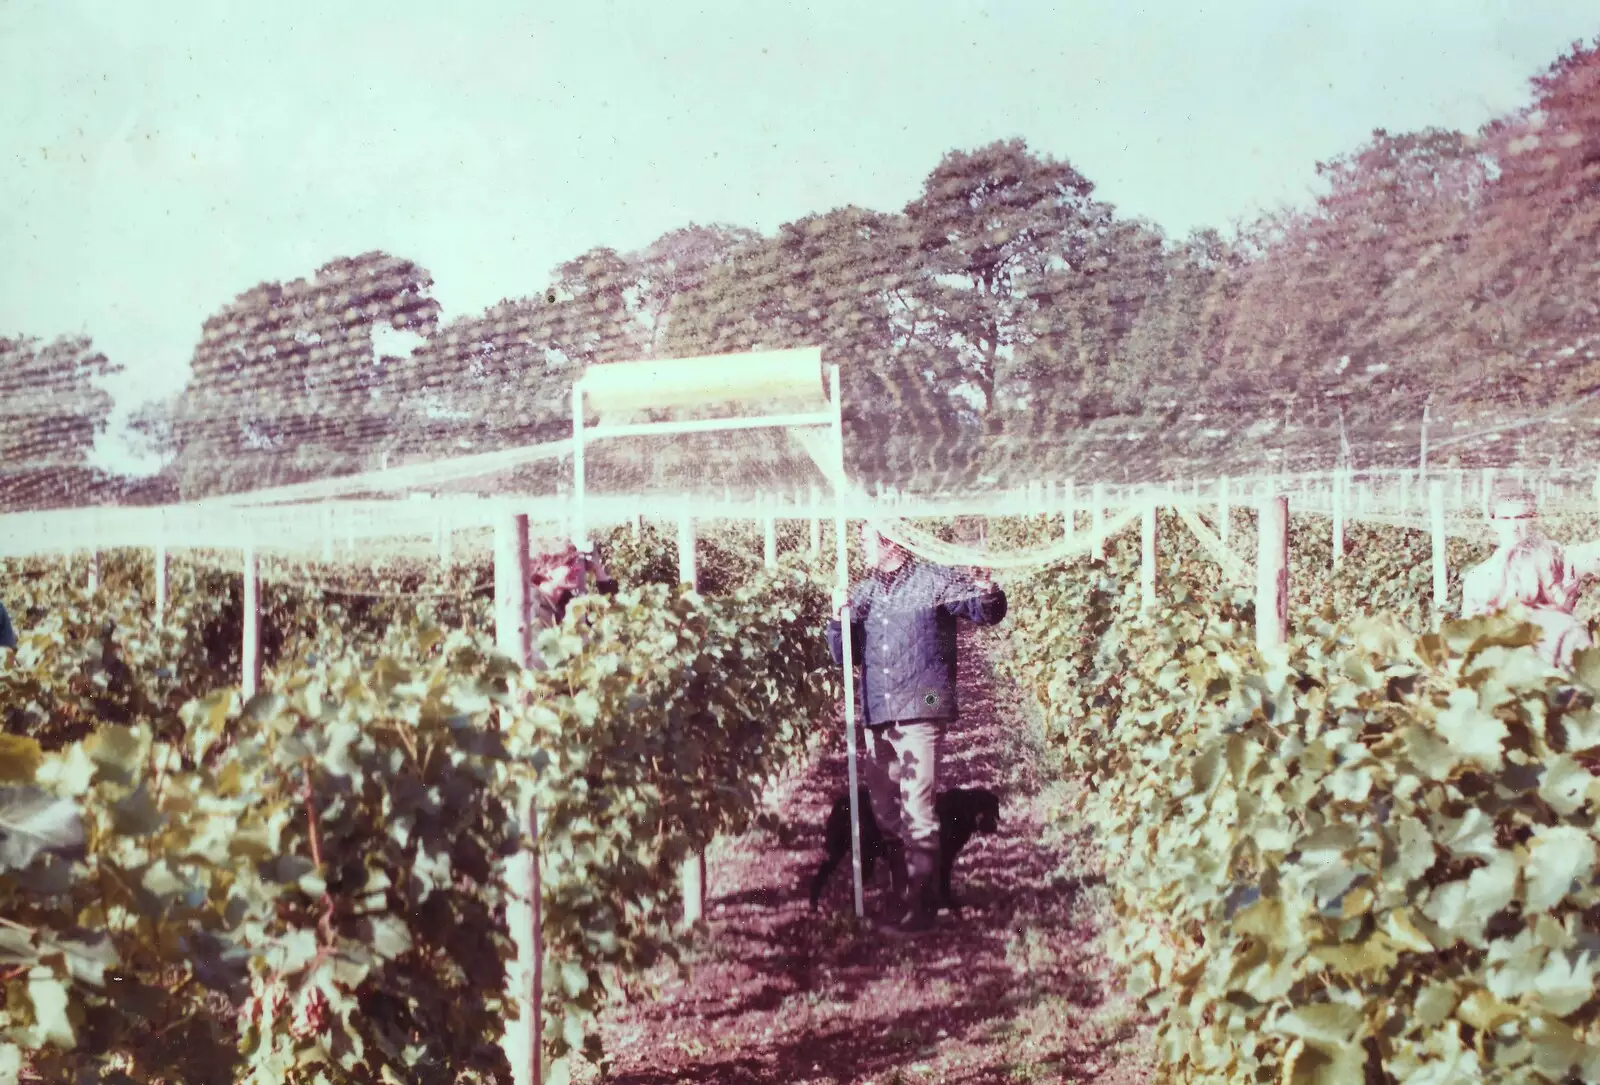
903	636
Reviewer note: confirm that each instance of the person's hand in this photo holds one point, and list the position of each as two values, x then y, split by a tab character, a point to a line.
841	603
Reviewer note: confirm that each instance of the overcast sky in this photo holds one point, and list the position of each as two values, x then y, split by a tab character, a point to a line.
161	158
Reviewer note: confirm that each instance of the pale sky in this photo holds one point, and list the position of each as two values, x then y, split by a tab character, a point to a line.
161	158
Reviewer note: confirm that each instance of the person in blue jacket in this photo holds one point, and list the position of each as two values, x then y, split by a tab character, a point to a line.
903	618
8	636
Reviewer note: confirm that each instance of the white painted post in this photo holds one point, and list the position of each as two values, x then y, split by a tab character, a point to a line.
841	572
769	542
687	573
1488	490
1272	574
692	875
161	578
250	657
1461	489
1069	510
1097	520
1338	496
1147	558
1441	579
522	1041
1224	510
816	523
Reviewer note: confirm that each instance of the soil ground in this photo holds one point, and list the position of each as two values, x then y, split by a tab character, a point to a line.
1015	989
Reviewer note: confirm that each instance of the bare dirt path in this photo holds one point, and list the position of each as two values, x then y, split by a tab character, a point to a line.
1015	990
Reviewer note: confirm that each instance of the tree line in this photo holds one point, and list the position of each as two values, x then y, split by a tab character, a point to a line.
1005	321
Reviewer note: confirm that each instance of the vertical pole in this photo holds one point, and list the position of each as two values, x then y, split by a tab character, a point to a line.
1441	578
1422	465
1488	490
687	571
161	569
1272	574
692	875
1224	510
580	527
250	655
1338	518
522	1041
842	584
1147	557
1097	520
1069	510
1461	489
816	522
769	541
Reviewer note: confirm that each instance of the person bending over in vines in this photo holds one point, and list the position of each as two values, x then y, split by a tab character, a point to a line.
903	636
8	636
1532	570
556	578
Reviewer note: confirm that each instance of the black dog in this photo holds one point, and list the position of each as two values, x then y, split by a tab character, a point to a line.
962	812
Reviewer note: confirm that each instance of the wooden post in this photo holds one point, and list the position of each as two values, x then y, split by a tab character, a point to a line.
250	657
1147	558
1069	510
693	873
1097	520
769	542
1272	574
523	1039
1441	578
1224	510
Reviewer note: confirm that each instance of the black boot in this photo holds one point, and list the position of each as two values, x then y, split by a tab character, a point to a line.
894	905
922	901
